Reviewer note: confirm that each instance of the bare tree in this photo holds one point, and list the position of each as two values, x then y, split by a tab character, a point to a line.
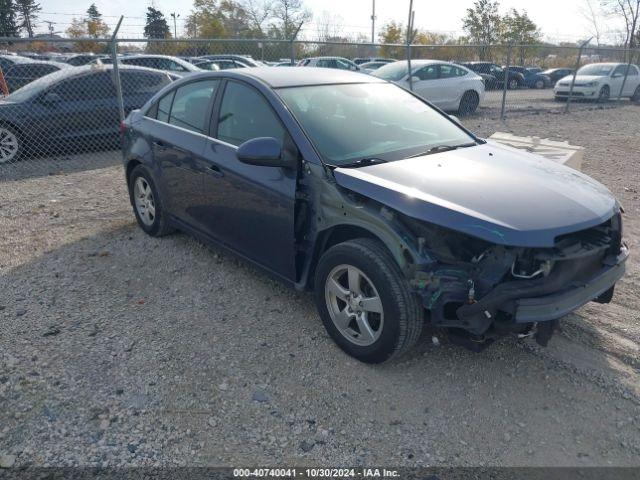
258	11
629	11
289	16
592	14
329	27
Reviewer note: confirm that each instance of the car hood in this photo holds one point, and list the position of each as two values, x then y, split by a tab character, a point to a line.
583	78
494	192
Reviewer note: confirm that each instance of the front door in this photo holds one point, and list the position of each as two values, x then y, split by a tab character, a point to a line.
249	208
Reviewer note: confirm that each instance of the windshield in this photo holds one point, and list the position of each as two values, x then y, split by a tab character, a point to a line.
392	72
352	122
601	70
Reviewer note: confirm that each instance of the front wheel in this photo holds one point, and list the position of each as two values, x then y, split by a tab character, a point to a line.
469	103
147	204
636	95
513	84
365	301
539	84
10	145
603	95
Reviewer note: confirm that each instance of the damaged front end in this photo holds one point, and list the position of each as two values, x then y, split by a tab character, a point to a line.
480	291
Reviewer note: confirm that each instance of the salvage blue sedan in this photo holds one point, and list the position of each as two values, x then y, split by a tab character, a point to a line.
388	209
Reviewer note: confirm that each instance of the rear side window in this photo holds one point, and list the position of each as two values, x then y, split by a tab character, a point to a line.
142	83
190	105
449	71
86	88
430	72
31	71
633	70
245	114
164	107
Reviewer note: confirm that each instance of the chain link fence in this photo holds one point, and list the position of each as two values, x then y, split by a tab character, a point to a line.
67	97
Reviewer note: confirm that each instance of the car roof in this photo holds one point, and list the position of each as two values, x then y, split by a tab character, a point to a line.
299	76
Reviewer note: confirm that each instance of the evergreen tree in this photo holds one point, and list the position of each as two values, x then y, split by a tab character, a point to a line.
27	11
156	26
8	22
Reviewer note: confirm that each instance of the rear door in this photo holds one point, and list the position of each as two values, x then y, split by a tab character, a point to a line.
426	84
178	139
450	85
249	208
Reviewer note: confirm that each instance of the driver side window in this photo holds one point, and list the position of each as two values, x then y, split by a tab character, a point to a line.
245	114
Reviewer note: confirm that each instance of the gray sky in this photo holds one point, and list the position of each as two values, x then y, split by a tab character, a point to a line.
560	20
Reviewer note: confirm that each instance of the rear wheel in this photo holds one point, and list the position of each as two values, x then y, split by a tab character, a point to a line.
10	145
539	84
365	301
636	95
513	83
603	95
147	204
469	103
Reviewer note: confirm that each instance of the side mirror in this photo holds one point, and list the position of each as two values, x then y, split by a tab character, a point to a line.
51	99
415	79
455	119
261	151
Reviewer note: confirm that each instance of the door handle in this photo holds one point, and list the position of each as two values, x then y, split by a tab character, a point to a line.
215	170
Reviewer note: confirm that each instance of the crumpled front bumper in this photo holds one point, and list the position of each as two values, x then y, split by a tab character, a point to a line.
570	285
551	307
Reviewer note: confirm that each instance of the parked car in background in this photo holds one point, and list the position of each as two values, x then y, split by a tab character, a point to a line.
161	62
361	60
7	61
20	74
369	67
556	74
391	212
448	86
533	77
226	60
601	81
72	109
338	63
208	65
284	64
513	79
82	59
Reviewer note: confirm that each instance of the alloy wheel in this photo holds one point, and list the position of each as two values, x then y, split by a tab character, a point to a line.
8	145
145	204
354	305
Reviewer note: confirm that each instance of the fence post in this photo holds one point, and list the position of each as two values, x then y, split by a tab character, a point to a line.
624	80
505	83
116	70
575	72
409	41
292	44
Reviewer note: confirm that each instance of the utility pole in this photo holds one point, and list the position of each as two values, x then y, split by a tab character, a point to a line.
373	22
50	23
175	28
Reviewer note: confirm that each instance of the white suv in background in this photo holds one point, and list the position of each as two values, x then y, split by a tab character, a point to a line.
601	81
448	86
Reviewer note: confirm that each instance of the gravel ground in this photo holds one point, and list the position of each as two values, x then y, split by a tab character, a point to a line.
120	349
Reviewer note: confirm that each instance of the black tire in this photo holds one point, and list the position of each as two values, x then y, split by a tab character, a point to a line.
512	83
604	94
539	84
160	225
403	315
636	95
12	151
469	103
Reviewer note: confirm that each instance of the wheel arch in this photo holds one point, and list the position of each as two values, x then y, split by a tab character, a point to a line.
343	232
